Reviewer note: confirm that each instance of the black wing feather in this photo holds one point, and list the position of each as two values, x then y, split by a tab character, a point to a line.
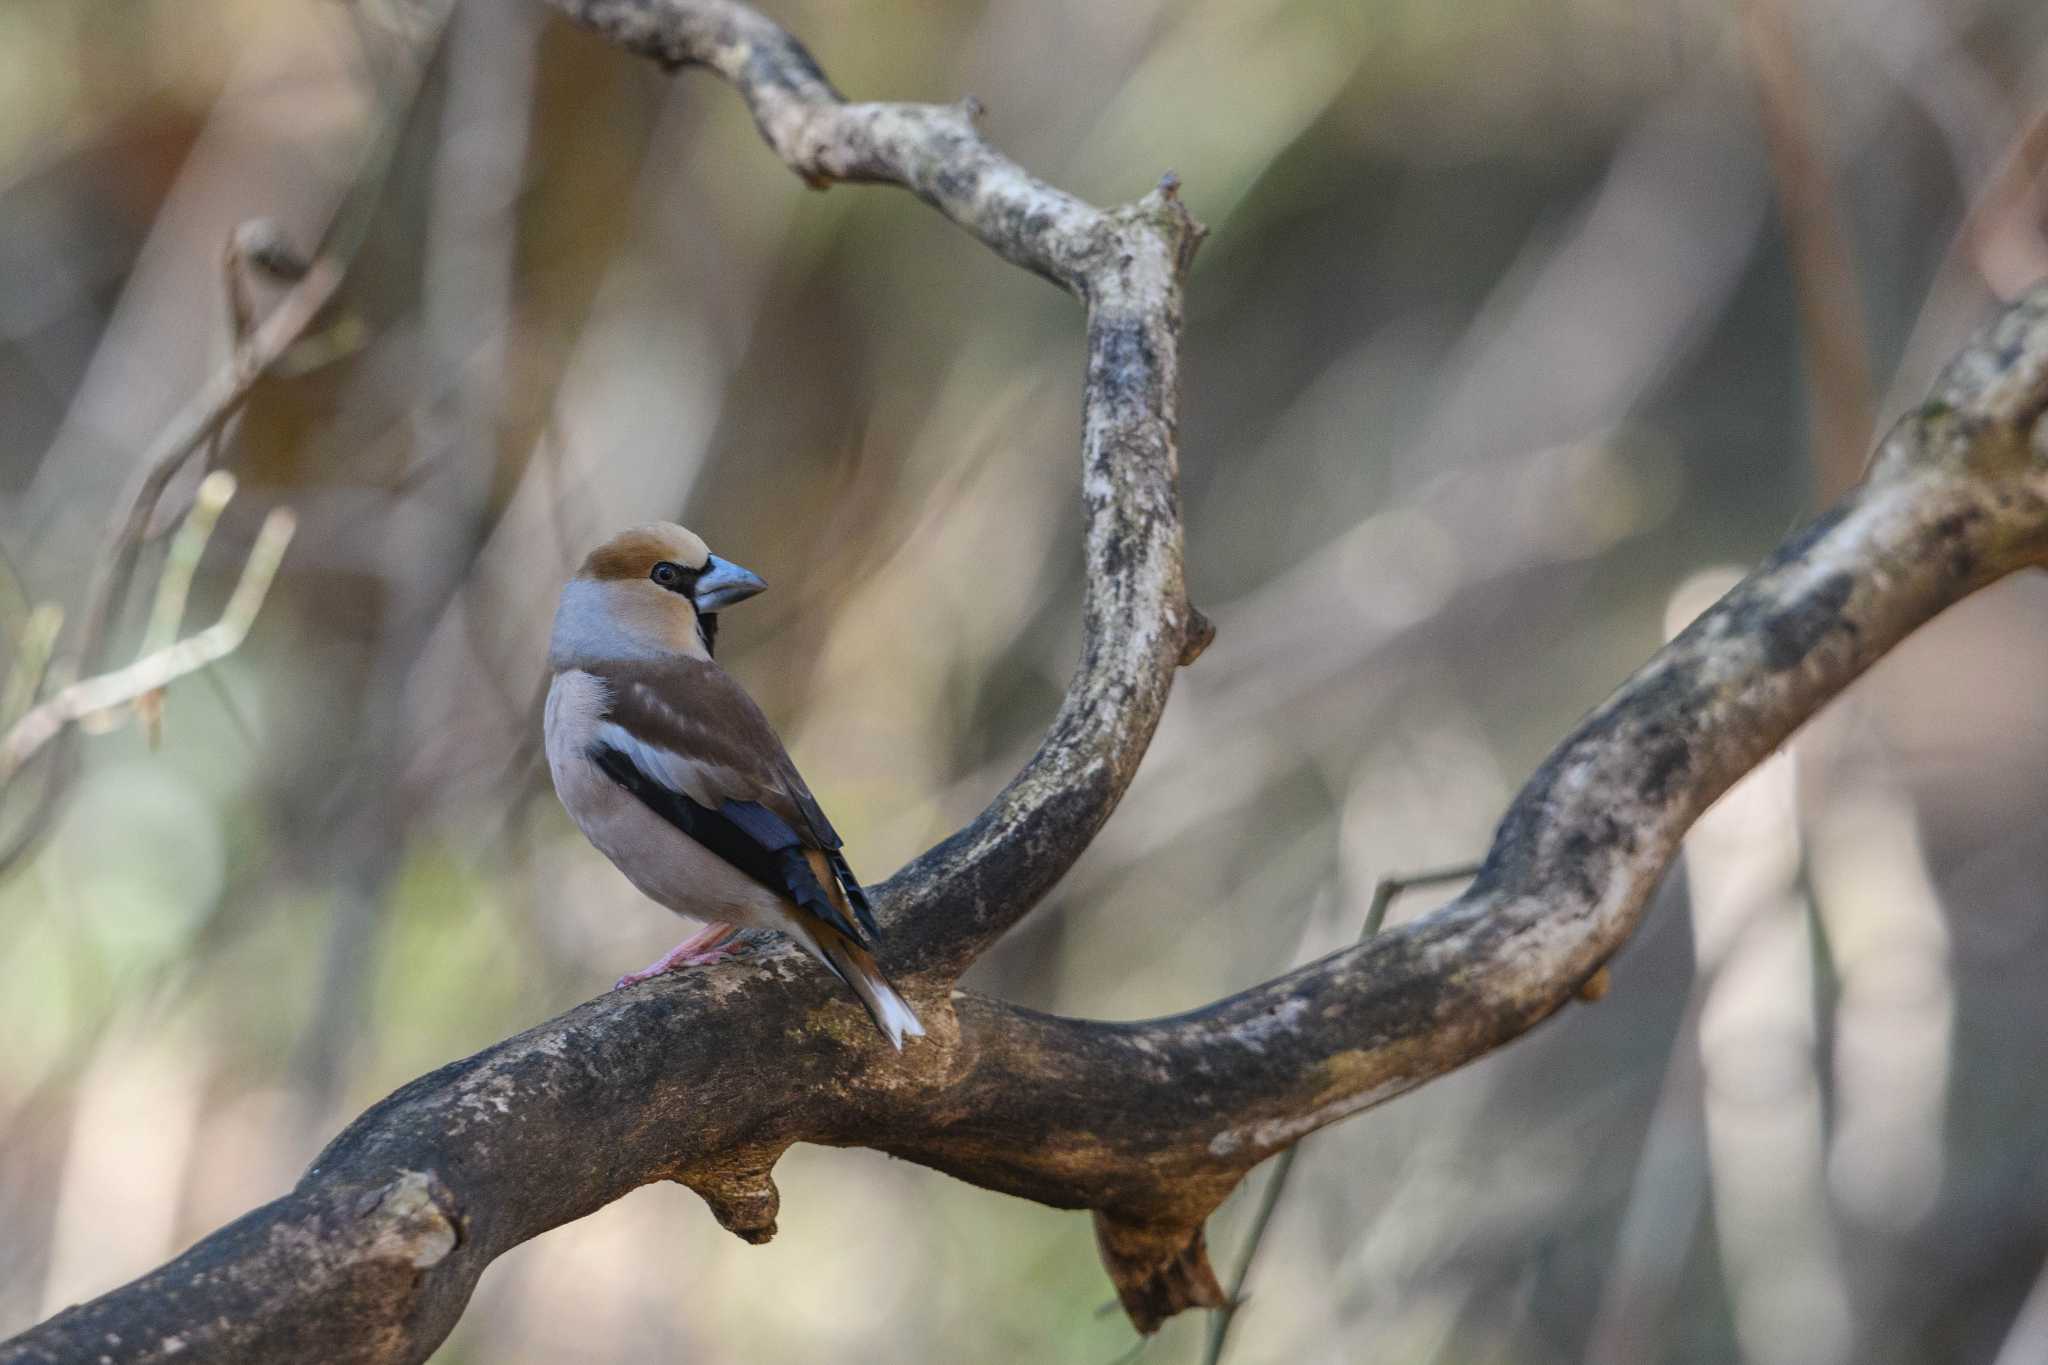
771	831
850	884
744	833
828	841
762	825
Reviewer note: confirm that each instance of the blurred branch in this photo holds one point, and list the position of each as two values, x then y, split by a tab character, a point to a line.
174	585
188	547
2001	234
1832	332
160	667
258	246
2028	1339
456	450
1999	247
205	414
1276	1184
202	418
32	650
705	1078
15	605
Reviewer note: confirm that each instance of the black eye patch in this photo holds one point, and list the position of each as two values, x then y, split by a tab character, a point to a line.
675	577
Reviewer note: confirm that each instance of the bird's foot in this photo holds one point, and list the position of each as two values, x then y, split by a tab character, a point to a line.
699	950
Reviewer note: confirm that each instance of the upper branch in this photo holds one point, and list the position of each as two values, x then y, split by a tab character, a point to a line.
1127	265
932	150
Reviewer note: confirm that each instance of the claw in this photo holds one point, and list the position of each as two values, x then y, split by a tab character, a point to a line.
699	950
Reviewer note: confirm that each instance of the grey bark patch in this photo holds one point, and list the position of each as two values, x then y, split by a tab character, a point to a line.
1802	541
1790	634
1122	365
1666	757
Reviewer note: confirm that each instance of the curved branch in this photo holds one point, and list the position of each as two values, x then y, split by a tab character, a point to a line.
162	665
202	419
1127	265
706	1078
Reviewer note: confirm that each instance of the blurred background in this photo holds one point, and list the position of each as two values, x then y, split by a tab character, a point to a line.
1523	326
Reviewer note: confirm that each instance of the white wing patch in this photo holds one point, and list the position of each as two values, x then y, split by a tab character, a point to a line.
708	784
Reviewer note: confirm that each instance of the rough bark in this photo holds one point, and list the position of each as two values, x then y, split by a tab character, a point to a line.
707	1077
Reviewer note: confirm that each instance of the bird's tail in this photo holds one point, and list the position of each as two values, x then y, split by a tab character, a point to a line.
857	967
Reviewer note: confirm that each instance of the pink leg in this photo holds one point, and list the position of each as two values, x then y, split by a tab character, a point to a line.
699	950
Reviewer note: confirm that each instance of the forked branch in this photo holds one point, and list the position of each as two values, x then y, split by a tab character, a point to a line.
707	1077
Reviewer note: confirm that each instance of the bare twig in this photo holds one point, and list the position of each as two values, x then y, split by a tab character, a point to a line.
1276	1184
1832	332
203	416
188	547
159	668
167	613
258	348
206	413
33	648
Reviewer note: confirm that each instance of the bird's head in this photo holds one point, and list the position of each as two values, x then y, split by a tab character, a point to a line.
650	591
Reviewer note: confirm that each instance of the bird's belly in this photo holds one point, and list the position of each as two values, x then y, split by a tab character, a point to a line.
665	864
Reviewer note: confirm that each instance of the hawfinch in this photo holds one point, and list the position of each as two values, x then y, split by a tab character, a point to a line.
676	776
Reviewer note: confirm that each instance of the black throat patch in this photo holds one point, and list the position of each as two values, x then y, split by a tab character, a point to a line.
707	630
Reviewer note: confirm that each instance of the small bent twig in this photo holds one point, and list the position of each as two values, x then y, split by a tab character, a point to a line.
258	247
1221	1318
158	668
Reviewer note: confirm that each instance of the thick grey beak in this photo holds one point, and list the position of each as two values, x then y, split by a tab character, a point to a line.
723	583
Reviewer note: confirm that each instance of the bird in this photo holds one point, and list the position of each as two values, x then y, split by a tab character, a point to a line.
672	772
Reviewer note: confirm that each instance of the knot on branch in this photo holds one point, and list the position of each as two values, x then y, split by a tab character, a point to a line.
1163	212
1158	1269
1196	636
740	1191
1984	414
262	244
412	1219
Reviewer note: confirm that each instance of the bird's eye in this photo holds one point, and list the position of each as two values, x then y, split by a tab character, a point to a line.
667	575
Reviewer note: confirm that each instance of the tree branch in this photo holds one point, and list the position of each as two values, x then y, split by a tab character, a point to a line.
164	662
1127	266
707	1077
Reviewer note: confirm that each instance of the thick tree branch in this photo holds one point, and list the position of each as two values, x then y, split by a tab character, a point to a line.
706	1078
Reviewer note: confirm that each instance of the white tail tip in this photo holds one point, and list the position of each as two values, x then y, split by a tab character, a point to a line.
893	1013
